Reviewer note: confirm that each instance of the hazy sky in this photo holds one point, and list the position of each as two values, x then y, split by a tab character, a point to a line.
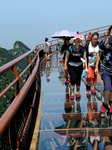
30	21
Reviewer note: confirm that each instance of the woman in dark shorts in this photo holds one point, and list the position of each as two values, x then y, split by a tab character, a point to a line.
75	58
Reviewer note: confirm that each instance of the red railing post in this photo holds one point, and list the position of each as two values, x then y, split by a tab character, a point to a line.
18	82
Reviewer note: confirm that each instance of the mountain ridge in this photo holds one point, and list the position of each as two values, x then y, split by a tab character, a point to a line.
18	49
6	56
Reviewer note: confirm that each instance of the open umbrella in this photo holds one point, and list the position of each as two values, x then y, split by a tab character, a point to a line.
63	33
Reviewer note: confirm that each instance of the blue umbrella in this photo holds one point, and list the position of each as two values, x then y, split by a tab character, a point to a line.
63	33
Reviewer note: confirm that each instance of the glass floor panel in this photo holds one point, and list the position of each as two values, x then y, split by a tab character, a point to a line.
74	139
70	125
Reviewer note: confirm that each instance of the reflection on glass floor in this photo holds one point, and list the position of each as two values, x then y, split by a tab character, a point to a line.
70	125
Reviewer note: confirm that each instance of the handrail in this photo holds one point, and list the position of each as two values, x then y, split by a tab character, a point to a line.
10	112
12	63
96	29
12	109
6	68
99	30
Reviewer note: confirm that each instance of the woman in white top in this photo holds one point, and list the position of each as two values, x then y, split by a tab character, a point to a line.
91	51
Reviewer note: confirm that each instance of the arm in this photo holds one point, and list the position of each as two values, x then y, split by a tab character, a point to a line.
85	58
99	54
66	58
97	61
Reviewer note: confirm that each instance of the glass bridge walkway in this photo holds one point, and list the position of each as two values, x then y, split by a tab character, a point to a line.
66	125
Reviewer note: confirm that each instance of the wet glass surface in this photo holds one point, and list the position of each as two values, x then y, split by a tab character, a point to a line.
69	125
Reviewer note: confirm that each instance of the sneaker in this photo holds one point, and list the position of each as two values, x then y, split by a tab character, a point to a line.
93	91
66	82
72	97
78	96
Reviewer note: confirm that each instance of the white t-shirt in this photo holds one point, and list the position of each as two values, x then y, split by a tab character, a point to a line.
46	47
92	53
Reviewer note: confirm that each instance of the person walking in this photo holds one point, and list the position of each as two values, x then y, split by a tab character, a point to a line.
105	56
64	49
46	48
75	58
89	36
59	45
92	48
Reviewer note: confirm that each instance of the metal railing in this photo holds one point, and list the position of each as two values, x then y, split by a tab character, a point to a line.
101	30
16	120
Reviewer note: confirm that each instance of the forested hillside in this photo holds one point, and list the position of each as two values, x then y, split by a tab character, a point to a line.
6	56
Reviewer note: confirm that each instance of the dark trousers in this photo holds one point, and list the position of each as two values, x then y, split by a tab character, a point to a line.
75	74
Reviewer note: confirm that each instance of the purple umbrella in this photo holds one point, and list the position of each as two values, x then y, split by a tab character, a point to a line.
56	34
63	33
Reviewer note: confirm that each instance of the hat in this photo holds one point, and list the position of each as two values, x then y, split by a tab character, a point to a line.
77	36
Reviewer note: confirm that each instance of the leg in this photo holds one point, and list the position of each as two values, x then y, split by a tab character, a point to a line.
78	81
94	78
108	144
95	107
71	71
66	75
78	89
107	86
106	97
110	99
78	77
93	85
94	81
89	79
72	89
